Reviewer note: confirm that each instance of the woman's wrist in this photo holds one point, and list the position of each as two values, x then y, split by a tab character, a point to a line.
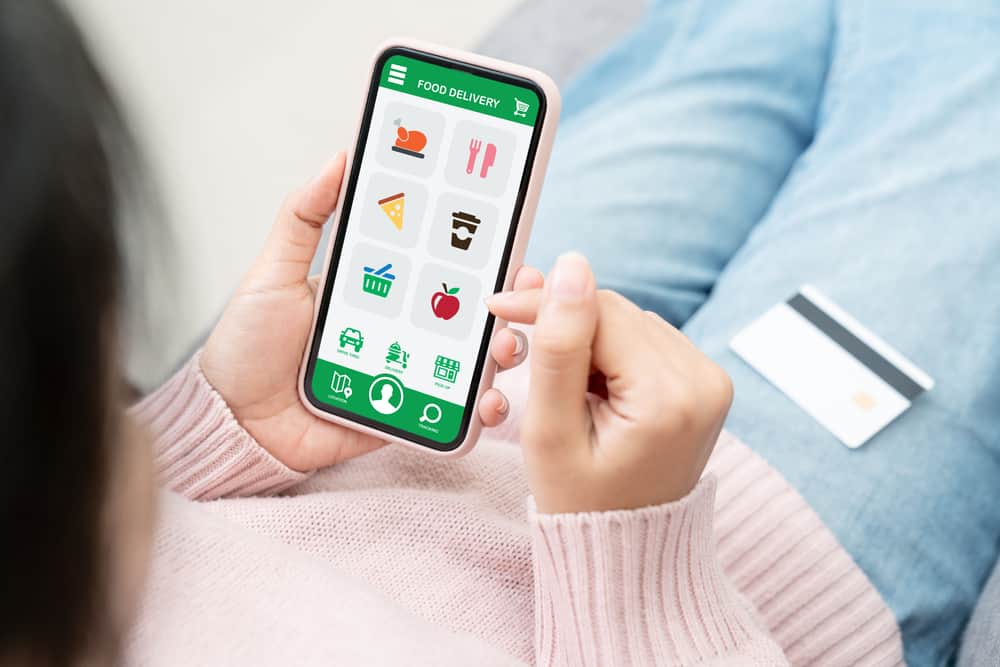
201	450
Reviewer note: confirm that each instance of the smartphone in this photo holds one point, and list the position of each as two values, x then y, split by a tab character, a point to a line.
434	216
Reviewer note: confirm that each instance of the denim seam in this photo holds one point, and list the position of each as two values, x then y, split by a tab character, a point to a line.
681	33
848	33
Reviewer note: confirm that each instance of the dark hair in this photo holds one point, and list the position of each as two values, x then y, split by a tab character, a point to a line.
62	143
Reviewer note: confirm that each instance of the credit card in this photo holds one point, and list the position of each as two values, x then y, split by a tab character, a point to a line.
848	379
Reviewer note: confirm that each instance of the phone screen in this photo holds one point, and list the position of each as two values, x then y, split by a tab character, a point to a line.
426	229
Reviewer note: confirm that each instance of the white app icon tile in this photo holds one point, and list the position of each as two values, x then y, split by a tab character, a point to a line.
393	210
446	301
463	230
377	280
410	139
479	159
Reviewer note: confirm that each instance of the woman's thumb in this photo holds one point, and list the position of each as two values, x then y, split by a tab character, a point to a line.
295	236
560	354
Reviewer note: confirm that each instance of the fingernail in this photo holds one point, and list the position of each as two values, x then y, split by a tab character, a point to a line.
504	406
518	344
570	277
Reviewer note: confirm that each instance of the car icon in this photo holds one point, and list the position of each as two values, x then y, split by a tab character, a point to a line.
351	338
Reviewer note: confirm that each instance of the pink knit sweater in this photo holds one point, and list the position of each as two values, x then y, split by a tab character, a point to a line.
398	558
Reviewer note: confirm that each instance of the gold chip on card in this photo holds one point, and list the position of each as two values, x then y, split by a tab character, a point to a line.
865	401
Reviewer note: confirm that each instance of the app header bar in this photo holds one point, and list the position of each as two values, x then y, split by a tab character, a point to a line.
460	89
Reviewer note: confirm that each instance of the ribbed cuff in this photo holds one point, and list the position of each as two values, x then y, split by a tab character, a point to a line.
636	587
805	587
201	451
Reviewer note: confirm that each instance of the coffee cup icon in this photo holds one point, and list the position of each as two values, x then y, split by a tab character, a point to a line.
463	228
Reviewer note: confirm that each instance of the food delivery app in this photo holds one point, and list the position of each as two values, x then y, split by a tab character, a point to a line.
424	237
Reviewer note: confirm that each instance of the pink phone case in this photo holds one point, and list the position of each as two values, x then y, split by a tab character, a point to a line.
549	123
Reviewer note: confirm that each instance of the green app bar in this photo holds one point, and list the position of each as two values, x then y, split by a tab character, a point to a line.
460	89
351	390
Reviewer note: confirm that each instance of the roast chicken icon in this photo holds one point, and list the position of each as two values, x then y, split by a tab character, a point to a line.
409	142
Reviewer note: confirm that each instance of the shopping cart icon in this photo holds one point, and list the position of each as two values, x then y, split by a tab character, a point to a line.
521	108
378	282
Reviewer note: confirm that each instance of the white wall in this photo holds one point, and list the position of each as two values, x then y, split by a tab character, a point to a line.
237	102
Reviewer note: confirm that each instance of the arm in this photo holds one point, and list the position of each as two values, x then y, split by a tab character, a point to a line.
641	587
621	417
230	422
200	449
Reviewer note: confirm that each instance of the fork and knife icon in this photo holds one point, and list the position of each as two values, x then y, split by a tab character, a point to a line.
489	157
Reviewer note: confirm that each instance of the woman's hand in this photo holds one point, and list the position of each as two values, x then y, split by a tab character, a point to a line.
643	433
252	357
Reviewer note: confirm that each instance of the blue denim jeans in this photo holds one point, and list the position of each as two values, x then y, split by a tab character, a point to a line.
731	150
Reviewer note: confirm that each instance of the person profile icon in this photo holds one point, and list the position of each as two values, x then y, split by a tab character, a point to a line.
384	404
386	395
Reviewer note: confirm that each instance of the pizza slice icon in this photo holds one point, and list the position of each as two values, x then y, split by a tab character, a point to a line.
393	207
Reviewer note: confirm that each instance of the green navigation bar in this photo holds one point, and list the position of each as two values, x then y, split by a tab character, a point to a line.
460	89
384	398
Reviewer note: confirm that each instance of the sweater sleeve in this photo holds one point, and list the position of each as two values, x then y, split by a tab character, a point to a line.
200	449
641	587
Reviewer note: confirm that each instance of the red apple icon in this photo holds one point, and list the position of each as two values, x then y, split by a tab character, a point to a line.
445	304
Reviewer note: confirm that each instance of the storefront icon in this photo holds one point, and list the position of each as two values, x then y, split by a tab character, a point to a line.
446	369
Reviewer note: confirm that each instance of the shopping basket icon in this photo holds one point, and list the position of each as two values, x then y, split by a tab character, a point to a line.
378	282
521	108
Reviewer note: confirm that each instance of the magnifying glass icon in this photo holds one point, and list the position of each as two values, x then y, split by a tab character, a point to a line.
432	414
